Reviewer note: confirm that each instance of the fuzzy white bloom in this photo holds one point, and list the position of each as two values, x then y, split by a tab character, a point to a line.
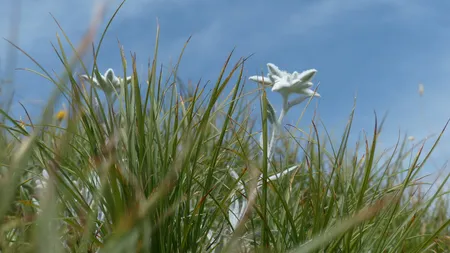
238	205
108	82
94	180
288	83
41	185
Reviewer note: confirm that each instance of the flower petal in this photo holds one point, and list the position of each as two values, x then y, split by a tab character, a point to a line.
109	75
307	75
278	175
85	77
297	101
281	84
298	86
92	81
273	78
274	70
284	172
262	80
309	92
115	82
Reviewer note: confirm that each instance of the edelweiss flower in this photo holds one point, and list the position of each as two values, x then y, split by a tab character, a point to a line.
108	82
238	205
94	179
286	83
42	183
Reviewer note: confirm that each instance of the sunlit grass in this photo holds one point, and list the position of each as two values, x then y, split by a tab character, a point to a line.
154	169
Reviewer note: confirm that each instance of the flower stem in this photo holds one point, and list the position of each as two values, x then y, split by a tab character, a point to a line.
275	128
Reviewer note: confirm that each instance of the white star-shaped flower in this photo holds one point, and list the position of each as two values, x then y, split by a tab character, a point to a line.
238	205
287	83
108	82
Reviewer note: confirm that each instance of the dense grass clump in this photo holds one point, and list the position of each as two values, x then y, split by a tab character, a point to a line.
154	169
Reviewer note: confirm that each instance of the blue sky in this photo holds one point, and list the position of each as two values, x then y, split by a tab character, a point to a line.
379	50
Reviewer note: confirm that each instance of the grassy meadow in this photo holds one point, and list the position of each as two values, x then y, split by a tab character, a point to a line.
156	165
